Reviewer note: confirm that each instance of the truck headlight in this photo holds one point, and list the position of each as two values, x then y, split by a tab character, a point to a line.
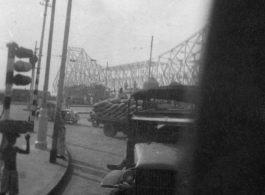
128	176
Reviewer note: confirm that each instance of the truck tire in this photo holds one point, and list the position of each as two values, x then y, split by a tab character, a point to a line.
109	130
75	121
94	123
117	192
126	132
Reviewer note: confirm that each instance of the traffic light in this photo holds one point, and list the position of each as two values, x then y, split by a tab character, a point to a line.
21	66
17	126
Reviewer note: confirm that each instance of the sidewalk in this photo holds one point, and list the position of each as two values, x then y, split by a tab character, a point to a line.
37	176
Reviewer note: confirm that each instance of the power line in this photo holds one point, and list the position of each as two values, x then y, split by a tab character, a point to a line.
122	50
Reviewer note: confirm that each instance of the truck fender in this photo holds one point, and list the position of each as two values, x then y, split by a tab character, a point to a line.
111	180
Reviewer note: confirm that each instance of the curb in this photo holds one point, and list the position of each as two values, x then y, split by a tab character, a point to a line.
83	112
62	184
58	188
77	112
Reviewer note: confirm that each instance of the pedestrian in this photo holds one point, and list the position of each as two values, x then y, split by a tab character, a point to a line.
61	140
121	94
68	102
92	101
9	174
52	113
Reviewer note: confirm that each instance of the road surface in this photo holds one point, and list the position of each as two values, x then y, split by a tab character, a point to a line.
91	151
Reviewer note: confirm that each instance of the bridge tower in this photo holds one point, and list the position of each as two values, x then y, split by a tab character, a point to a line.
81	69
180	64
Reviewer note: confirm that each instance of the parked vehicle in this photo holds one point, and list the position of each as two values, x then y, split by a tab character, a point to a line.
68	115
158	160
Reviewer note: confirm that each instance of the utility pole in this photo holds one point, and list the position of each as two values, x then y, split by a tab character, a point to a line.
53	152
107	74
150	63
46	4
33	72
43	119
106	77
32	82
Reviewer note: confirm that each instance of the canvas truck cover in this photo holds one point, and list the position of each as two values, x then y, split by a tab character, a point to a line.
182	93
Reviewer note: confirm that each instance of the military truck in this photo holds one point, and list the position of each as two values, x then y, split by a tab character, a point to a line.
158	156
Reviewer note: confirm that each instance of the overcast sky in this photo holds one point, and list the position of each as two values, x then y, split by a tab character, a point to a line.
113	31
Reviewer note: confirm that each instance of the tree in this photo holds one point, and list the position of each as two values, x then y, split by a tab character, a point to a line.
98	91
151	83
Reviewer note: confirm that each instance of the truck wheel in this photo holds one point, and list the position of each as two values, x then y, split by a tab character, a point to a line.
118	127
94	123
122	128
126	132
109	130
117	192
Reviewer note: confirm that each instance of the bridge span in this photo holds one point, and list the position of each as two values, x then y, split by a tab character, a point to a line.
180	64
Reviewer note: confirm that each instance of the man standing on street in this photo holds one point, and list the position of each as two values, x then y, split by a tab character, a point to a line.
9	176
92	101
61	140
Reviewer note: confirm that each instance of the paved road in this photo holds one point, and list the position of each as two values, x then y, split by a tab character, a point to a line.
91	152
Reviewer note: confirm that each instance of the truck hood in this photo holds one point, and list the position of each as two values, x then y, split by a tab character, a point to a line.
158	156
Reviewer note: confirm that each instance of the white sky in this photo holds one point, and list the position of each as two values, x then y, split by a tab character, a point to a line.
113	31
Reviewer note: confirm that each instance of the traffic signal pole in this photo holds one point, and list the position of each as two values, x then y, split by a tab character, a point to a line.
53	152
43	119
9	78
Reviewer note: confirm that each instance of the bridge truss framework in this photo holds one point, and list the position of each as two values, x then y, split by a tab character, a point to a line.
180	64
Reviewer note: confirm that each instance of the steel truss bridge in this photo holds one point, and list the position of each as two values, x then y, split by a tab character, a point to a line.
180	64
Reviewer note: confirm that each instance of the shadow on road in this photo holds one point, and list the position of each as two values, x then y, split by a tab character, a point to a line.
89	169
78	125
89	148
77	162
120	138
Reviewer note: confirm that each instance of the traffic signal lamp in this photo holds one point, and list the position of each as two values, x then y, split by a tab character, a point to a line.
21	66
21	80
33	59
22	52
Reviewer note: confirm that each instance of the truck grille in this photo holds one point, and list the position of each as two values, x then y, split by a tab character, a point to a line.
155	182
